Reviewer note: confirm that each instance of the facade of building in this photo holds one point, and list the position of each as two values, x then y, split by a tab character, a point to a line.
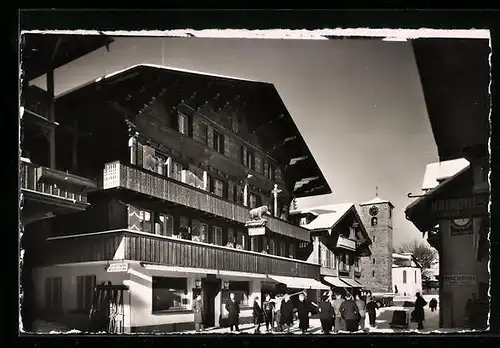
195	176
377	270
454	214
340	242
406	275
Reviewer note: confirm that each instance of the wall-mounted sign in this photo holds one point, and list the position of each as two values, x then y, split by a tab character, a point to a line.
117	267
461	226
459	207
346	243
256	231
459	279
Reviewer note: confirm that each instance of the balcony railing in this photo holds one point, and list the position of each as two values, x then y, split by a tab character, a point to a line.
346	243
53	182
169	251
118	175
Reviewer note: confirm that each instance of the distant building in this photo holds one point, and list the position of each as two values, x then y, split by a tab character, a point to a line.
406	274
339	242
377	270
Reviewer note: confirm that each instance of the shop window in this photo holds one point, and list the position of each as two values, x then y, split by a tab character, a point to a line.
53	294
164	224
84	291
170	294
404	277
241	291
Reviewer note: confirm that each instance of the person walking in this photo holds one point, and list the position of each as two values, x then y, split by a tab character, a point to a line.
419	315
360	302
371	309
326	314
336	303
198	313
268	307
233	310
433	303
257	315
286	313
303	310
350	313
471	311
277	312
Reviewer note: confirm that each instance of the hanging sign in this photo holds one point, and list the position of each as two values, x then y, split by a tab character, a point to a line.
461	227
459	207
117	267
256	231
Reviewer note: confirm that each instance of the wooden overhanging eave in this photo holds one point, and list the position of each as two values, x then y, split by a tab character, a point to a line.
65	179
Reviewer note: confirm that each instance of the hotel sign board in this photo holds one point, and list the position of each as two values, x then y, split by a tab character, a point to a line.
461	207
256	231
459	279
346	243
117	267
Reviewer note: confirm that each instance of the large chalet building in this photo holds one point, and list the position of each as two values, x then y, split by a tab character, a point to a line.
171	162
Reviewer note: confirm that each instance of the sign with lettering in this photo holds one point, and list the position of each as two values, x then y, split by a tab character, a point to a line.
459	207
461	227
459	279
256	231
117	267
346	243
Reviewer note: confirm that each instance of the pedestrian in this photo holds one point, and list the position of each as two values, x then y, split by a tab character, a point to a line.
337	302
233	308
198	313
418	312
268	307
277	312
303	310
286	319
371	309
257	315
360	302
326	314
471	311
350	313
433	303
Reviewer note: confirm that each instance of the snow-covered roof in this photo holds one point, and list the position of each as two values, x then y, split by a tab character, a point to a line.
439	171
376	200
316	210
329	219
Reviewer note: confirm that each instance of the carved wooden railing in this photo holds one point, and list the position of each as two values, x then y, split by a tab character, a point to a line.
169	251
155	185
54	182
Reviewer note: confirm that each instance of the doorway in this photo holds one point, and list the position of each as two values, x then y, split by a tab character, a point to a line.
107	310
210	288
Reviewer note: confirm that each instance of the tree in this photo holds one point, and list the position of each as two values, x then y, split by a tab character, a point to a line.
423	253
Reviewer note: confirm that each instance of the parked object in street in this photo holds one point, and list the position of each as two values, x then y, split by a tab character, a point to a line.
400	320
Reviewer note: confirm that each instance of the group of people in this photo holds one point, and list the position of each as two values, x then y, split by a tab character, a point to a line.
278	313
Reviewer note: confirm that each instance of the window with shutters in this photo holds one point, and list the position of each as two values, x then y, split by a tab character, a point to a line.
218	142
84	291
183	123
241	240
272	246
203	133
53	294
243	155
198	231
250	162
176	172
218	187
291	250
184	227
145	221
271	172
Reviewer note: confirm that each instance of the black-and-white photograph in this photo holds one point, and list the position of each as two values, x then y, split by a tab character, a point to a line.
214	182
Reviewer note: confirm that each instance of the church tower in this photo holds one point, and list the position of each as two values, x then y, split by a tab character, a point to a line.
376	271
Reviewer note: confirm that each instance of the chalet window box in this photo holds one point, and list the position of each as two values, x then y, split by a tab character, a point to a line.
171	311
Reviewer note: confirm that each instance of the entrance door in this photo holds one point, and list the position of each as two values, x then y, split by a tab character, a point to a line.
107	312
210	288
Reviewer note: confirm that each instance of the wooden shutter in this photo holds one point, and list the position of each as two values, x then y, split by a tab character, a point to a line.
140	154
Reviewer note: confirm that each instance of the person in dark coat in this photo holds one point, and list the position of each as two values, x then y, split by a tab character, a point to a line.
418	312
268	307
198	313
257	315
326	315
350	313
337	301
371	309
471	311
233	309
303	310
433	304
286	312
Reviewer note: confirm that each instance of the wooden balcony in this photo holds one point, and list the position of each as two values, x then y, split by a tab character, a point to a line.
49	191
346	243
169	251
136	179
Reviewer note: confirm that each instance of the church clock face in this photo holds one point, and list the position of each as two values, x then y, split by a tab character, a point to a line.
373	211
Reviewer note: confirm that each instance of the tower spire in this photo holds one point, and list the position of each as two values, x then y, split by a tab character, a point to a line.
376	191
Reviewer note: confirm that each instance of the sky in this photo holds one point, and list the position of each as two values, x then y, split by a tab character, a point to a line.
358	104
